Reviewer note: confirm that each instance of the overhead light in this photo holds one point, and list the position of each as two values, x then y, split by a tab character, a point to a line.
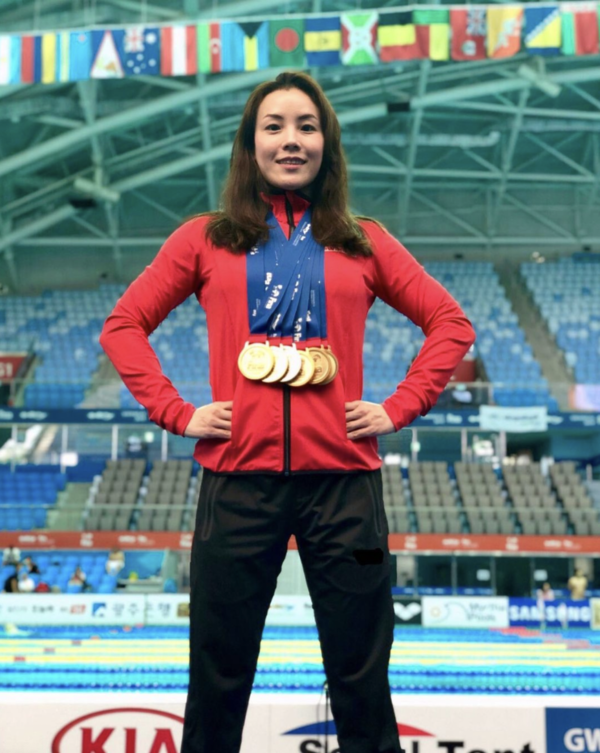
539	79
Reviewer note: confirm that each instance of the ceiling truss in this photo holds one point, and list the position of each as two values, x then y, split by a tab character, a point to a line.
470	145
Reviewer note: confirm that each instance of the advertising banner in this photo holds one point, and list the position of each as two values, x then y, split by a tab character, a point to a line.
167	609
465	611
9	365
150	725
68	609
136	609
573	730
487	417
398	542
514	420
531	613
407	611
291	610
595	607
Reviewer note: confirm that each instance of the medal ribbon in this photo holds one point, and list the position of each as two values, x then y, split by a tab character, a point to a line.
285	279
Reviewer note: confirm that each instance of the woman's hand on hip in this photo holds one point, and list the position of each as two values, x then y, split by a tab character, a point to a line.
212	421
365	419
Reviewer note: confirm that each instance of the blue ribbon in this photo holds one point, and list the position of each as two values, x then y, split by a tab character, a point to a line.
285	278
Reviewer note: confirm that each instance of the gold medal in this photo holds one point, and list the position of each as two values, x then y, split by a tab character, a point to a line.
281	365
294	361
334	365
306	371
256	361
323	365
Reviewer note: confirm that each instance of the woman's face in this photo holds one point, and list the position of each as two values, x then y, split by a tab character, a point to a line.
288	140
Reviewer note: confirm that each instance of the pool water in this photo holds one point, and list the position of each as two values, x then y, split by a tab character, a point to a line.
515	661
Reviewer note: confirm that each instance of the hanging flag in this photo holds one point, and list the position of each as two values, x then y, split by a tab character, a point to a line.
106	62
579	28
434	29
244	46
400	39
50	46
178	51
359	38
27	59
138	48
80	55
323	40
286	43
504	24
209	47
469	33
56	58
542	29
10	59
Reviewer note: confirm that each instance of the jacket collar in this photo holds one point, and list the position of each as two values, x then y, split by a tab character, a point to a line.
298	202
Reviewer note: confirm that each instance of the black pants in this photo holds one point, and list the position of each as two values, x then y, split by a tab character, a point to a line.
243	525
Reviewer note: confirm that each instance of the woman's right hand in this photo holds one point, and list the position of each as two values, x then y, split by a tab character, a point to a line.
212	421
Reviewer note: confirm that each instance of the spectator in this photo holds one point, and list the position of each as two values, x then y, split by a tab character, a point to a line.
11	555
11	584
31	566
115	562
26	582
42	588
545	593
78	578
577	584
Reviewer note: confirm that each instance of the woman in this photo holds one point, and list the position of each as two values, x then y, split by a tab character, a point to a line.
286	276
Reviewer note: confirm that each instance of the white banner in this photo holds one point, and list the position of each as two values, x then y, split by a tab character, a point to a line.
465	611
174	609
167	609
136	609
497	418
288	724
71	609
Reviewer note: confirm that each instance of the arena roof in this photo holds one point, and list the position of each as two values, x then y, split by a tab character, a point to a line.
481	158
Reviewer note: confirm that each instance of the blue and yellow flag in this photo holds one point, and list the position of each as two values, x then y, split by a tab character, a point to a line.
323	40
244	46
542	29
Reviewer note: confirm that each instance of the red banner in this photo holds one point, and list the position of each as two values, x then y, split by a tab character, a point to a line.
429	543
9	365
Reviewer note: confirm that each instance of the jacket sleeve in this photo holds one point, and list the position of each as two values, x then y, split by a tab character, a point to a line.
401	282
169	280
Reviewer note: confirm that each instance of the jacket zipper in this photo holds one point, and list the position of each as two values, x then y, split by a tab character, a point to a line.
286	388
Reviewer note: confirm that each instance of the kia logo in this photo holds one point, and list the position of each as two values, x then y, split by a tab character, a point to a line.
127	730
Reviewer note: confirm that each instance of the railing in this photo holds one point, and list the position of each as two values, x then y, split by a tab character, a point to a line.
570	396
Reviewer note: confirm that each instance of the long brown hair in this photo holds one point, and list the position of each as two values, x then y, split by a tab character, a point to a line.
242	220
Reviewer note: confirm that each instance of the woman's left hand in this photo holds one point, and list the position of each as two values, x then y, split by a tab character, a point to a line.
365	419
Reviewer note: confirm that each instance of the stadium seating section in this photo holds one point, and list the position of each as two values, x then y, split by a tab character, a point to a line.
392	342
57	568
62	328
26	496
426	497
567	293
124	498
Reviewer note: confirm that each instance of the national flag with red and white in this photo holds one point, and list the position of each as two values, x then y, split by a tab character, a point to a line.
469	33
210	49
178	51
580	28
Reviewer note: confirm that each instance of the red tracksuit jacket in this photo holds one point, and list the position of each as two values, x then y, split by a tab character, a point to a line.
277	429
